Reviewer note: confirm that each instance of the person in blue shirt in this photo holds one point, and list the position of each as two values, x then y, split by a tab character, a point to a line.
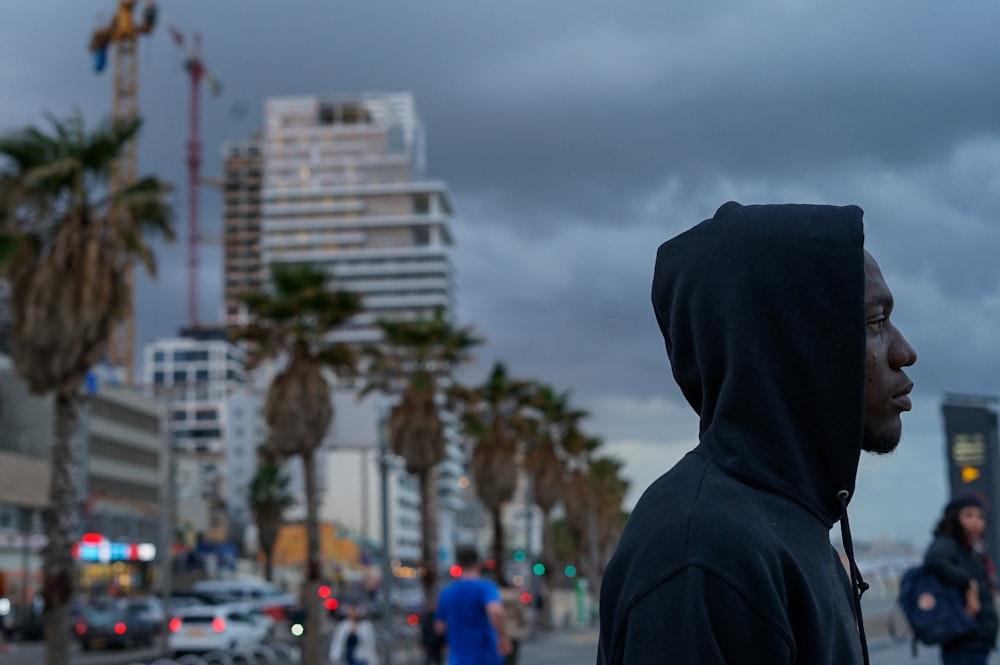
470	612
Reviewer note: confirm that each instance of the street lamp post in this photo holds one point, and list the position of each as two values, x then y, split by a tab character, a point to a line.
383	444
166	548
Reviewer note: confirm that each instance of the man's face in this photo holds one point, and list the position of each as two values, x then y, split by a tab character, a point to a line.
887	352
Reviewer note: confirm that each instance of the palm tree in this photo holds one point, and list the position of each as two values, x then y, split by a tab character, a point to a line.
294	321
545	460
609	490
66	245
411	360
269	497
593	502
490	415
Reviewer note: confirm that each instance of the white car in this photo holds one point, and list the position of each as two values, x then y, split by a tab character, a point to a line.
148	608
264	595
209	627
264	622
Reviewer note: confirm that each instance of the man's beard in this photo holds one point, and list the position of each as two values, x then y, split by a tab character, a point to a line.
880	442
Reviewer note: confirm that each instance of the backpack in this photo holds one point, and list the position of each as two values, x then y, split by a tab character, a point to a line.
934	610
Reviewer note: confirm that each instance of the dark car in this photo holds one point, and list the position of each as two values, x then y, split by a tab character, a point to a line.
31	619
107	626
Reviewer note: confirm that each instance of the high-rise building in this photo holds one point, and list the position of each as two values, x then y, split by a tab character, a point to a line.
342	191
243	267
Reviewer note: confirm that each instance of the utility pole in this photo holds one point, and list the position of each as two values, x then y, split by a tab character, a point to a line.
166	549
383	445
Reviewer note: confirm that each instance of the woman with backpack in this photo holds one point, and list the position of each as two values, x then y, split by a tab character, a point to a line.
959	557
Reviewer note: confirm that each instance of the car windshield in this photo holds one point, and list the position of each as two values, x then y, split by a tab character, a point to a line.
100	617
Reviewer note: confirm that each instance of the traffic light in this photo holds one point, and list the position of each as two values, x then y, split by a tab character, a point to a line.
538	569
456	571
519	556
570	571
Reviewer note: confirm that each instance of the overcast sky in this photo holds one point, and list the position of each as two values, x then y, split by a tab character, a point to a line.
576	135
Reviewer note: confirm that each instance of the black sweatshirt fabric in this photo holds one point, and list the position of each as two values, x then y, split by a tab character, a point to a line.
727	558
957	564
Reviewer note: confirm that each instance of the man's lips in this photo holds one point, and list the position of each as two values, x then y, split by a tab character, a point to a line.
902	398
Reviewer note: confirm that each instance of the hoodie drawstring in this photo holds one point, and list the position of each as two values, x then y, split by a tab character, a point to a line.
858	585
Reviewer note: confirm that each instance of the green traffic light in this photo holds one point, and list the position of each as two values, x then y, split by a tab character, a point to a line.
519	556
538	569
570	571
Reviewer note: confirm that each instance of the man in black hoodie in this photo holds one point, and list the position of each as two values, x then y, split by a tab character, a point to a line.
777	326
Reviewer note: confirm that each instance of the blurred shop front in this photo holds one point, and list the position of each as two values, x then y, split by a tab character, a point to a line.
106	567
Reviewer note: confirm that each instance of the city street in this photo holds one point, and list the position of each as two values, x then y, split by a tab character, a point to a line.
581	648
561	648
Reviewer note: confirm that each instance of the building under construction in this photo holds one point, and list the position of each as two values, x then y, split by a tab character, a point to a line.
243	268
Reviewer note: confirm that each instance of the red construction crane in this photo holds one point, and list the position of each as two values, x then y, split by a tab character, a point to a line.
197	71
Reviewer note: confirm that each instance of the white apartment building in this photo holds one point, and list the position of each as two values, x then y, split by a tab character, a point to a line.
342	190
196	373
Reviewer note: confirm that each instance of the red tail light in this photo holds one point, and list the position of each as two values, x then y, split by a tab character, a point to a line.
276	612
175	624
218	624
331	604
525	597
120	628
81	628
413	619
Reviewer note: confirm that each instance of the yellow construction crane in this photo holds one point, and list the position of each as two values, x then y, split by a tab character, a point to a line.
122	35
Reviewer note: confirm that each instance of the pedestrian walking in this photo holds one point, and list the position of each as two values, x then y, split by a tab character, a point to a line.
470	612
433	642
778	325
959	557
517	619
354	641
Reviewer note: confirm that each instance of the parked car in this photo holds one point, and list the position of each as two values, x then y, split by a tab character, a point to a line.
264	595
110	625
150	608
205	628
31	618
180	599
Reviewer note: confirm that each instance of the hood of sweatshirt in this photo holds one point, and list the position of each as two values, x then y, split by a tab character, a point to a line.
762	311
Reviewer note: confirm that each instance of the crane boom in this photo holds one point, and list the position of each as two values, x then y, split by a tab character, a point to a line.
123	33
197	71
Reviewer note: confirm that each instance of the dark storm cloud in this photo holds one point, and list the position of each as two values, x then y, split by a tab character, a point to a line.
577	135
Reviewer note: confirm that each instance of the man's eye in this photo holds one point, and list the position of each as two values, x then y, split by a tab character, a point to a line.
876	326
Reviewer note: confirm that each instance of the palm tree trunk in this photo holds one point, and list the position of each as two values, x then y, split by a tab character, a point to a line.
428	530
267	537
498	543
311	647
269	565
61	529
